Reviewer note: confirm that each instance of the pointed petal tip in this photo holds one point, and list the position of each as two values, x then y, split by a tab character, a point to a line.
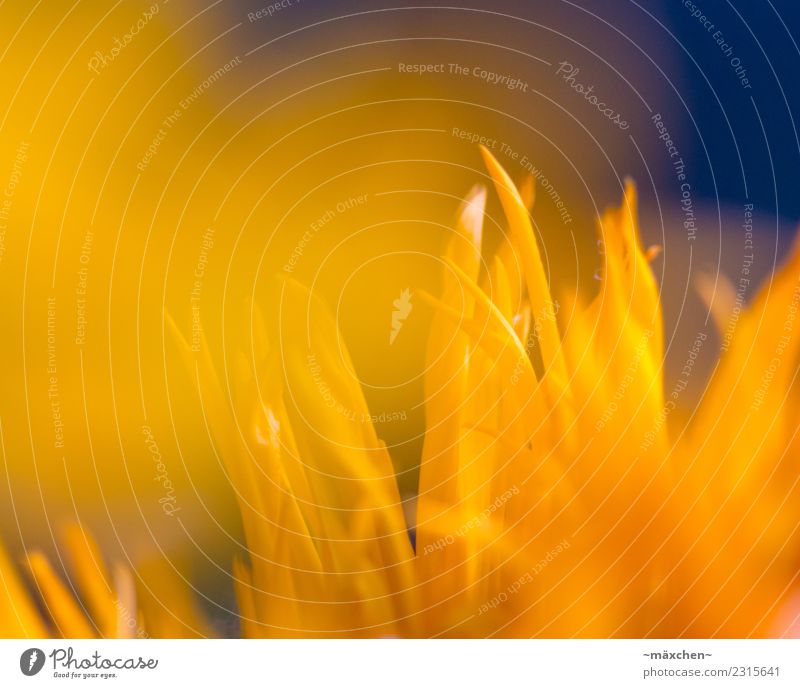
488	158
630	197
475	194
527	191
653	252
471	214
474	202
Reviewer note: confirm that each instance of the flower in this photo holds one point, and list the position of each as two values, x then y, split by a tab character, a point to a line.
553	501
149	602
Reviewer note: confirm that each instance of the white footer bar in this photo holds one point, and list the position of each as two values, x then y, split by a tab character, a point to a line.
407	663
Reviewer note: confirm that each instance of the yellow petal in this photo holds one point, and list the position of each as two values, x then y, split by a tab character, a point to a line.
18	615
69	618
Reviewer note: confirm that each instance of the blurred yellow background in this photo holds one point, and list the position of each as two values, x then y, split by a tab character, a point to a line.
170	159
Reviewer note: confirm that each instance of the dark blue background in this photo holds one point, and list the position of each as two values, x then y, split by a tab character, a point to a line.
773	61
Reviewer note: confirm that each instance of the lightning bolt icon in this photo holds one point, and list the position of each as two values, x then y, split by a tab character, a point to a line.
34	655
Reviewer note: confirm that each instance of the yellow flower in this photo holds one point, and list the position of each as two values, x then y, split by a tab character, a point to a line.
147	602
553	501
